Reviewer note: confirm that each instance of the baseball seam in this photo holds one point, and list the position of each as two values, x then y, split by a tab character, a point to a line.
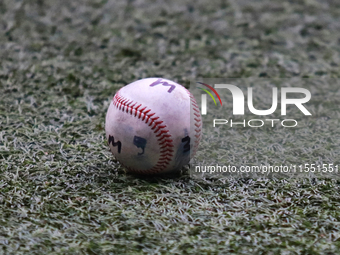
162	133
198	122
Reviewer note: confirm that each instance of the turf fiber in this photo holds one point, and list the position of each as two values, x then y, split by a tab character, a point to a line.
61	190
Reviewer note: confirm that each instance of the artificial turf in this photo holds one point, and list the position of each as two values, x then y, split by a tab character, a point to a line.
61	190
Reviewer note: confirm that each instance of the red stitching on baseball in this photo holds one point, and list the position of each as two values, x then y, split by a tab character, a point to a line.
198	121
167	145
164	138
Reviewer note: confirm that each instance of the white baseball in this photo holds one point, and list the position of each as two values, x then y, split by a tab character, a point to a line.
153	126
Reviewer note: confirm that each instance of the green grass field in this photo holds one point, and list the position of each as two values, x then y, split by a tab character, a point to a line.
61	190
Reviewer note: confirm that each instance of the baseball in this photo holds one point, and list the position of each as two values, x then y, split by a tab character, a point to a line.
153	126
